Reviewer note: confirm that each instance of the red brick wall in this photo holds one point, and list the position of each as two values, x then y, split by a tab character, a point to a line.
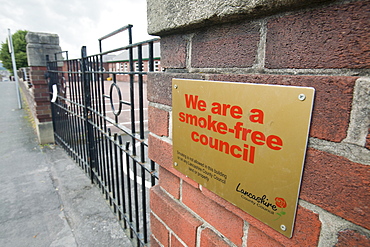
326	48
38	96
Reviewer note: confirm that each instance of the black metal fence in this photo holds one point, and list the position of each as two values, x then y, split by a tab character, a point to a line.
102	125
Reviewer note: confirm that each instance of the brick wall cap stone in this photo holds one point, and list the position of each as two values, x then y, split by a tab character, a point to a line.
170	16
39	45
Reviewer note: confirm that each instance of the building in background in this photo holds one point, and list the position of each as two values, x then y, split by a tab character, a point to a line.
120	63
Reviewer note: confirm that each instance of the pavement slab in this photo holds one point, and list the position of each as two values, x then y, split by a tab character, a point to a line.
45	198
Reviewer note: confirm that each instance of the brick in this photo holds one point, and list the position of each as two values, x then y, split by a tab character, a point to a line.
226	46
41	100
42	107
211	195
352	238
43	117
190	182
306	230
35	77
158	121
160	152
43	120
47	103
332	105
40	90
40	79
38	68
38	96
337	185
173	51
159	231
257	238
44	112
160	86
307	224
331	37
175	242
175	216
38	86
153	242
37	72
227	223
169	182
210	239
39	82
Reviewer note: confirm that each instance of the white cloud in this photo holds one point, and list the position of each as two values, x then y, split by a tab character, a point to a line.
77	23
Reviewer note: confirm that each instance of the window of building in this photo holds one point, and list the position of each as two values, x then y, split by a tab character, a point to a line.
156	65
137	66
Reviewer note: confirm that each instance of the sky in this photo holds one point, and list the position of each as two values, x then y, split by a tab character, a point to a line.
77	22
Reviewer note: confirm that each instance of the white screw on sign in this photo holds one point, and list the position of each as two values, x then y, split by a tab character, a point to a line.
301	97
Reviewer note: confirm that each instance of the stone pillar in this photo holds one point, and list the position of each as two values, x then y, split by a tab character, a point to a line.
38	46
321	44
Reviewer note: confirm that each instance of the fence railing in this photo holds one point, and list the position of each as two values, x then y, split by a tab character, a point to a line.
103	126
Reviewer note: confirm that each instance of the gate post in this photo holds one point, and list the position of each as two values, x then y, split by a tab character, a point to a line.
38	97
91	151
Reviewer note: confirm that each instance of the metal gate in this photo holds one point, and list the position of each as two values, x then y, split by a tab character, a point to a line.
101	123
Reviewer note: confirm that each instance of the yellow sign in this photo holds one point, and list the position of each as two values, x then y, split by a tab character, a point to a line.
245	142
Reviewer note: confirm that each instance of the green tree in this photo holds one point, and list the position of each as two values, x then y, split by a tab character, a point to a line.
19	43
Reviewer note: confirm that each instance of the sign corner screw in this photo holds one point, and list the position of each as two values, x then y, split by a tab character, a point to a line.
175	164
301	97
283	227
175	86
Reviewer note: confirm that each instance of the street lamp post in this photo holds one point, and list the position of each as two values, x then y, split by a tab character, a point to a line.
11	51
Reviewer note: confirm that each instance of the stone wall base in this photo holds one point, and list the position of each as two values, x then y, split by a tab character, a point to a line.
45	132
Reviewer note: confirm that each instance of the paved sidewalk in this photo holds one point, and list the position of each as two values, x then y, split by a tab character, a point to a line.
45	198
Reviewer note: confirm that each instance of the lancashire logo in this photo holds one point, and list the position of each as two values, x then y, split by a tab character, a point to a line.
259	201
262	202
280	203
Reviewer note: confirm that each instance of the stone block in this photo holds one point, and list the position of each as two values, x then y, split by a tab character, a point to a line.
39	45
166	16
45	132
